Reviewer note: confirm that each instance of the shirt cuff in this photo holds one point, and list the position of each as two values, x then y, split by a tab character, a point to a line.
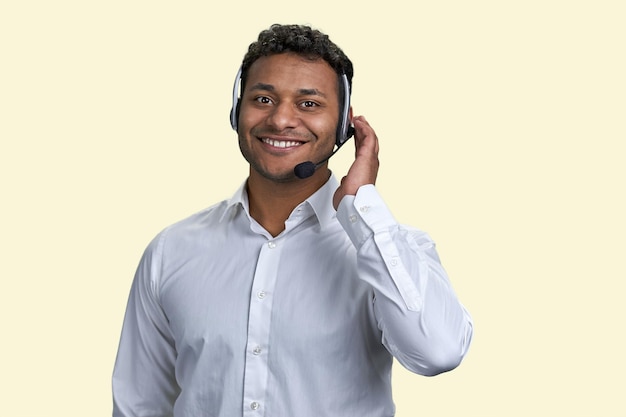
364	214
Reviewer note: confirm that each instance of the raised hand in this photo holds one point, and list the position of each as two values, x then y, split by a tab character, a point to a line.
364	169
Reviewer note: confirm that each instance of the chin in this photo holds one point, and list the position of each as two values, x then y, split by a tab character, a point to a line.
283	176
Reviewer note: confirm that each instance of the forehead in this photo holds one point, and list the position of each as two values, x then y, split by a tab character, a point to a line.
290	71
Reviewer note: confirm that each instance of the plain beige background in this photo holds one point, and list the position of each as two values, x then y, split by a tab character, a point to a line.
501	127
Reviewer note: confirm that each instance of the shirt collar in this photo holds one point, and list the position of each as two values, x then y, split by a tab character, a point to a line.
239	199
320	201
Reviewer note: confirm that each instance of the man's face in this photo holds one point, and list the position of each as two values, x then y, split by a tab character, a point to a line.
288	115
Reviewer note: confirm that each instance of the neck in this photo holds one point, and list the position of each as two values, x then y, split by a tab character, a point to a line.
272	202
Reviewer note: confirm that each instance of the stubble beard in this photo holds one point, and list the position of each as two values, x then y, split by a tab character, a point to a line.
279	177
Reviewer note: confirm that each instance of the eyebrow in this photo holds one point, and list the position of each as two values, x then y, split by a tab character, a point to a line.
302	91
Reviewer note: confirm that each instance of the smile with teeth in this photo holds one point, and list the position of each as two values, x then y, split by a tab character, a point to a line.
281	143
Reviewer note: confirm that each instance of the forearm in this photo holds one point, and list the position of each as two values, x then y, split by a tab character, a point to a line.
424	326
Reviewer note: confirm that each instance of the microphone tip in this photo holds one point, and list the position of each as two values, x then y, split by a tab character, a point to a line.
304	169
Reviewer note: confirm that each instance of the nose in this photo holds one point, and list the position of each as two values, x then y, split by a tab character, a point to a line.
283	116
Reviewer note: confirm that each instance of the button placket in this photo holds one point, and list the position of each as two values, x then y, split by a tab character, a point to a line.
259	324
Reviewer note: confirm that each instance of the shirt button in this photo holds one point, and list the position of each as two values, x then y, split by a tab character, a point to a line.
254	405
271	245
365	209
394	262
261	294
257	350
353	219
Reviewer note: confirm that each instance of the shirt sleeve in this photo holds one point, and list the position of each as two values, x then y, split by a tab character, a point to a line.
424	326
144	382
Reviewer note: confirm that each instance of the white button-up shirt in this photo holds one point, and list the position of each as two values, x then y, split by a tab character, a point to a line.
225	320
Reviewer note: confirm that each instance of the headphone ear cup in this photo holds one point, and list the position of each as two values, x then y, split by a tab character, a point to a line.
345	130
234	110
234	115
341	139
350	132
232	119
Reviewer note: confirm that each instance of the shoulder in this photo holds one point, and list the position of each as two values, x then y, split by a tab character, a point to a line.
200	224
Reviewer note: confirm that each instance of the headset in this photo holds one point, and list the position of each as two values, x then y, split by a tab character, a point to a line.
344	129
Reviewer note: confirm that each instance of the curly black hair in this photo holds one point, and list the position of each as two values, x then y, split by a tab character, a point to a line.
302	40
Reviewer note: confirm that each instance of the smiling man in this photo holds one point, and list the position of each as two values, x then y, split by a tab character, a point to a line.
293	297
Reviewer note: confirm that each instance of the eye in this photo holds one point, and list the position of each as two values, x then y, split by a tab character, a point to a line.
309	104
263	100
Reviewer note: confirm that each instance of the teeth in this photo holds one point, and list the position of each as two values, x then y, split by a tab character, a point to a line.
281	143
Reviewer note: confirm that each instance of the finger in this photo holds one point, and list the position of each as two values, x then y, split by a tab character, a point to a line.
365	137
